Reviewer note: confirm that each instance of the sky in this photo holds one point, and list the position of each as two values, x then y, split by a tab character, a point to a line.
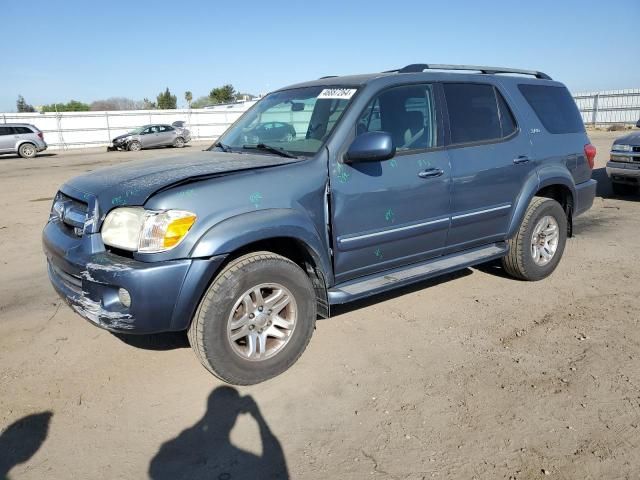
86	50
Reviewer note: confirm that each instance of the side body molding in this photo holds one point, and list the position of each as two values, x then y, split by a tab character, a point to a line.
236	232
540	178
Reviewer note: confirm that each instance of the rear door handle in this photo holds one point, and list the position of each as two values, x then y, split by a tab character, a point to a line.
430	172
521	159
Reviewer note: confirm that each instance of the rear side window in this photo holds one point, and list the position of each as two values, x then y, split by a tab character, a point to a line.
22	130
5	131
554	106
477	113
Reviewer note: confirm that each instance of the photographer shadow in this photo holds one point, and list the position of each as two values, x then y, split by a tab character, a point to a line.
204	451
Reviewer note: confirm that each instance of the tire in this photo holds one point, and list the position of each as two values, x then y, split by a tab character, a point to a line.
134	146
520	262
211	329
623	189
178	142
27	150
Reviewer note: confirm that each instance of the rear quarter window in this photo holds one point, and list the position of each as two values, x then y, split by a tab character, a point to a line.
23	130
554	106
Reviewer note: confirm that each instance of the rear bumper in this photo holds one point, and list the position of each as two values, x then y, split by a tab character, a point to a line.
585	193
164	295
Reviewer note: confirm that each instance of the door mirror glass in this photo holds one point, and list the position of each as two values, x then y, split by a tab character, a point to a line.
371	147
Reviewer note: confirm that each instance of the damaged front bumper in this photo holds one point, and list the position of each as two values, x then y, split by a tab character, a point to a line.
163	295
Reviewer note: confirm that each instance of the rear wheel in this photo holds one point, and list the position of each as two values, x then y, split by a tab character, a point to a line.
178	142
135	146
255	320
536	249
27	150
623	188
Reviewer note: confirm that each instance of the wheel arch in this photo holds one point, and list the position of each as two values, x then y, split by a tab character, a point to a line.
557	185
286	232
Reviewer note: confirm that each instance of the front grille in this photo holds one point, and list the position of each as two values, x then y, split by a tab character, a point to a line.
72	212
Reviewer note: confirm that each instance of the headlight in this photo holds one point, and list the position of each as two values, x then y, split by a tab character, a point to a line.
136	229
621	148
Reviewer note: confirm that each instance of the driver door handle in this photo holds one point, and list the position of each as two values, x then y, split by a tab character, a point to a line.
521	159
431	172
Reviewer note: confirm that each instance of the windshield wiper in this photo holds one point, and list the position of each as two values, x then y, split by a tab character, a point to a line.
222	146
269	148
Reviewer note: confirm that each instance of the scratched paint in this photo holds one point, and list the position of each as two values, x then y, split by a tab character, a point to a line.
93	311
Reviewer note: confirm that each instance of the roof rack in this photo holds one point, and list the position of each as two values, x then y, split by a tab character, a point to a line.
420	67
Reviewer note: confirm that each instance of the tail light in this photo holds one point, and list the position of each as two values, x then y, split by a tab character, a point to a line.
590	153
41	135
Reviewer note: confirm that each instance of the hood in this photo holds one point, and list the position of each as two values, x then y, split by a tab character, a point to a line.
631	139
133	183
122	136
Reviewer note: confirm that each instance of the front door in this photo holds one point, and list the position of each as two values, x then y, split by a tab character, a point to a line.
490	161
149	136
394	212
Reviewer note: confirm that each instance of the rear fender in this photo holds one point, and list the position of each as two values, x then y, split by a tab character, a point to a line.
544	177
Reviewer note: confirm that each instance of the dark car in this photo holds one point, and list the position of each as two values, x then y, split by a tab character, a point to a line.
149	136
270	132
623	167
401	176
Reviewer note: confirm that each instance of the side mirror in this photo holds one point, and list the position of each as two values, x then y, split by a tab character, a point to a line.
371	147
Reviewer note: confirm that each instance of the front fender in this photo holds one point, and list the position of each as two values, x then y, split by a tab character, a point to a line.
543	177
241	230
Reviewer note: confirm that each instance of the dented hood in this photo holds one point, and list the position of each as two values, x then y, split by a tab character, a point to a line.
133	183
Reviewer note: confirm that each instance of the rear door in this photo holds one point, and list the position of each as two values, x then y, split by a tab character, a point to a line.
7	140
166	135
395	212
490	160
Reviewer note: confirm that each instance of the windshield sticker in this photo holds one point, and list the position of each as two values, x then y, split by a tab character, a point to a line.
337	93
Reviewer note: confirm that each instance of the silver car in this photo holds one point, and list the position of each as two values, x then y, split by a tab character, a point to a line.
149	136
22	138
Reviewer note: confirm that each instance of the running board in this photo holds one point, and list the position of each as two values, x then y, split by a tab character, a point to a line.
380	282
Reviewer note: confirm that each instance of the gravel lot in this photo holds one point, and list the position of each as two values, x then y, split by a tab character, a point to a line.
471	376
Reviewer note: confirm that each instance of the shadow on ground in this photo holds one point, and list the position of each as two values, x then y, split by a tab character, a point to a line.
14	156
204	451
157	341
21	440
604	189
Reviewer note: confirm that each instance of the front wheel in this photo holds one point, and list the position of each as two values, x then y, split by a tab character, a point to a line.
255	320
135	146
536	249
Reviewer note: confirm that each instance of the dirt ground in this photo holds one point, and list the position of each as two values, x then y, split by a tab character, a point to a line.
472	376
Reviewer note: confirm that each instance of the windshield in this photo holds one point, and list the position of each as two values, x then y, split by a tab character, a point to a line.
296	121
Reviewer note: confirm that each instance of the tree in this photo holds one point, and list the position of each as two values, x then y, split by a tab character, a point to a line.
148	104
71	106
224	94
166	100
116	103
201	102
23	106
188	96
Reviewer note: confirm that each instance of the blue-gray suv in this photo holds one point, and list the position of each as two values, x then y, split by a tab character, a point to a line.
382	180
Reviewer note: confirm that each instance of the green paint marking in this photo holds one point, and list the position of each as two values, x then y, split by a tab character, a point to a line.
422	163
255	198
393	163
342	174
378	253
187	193
389	216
